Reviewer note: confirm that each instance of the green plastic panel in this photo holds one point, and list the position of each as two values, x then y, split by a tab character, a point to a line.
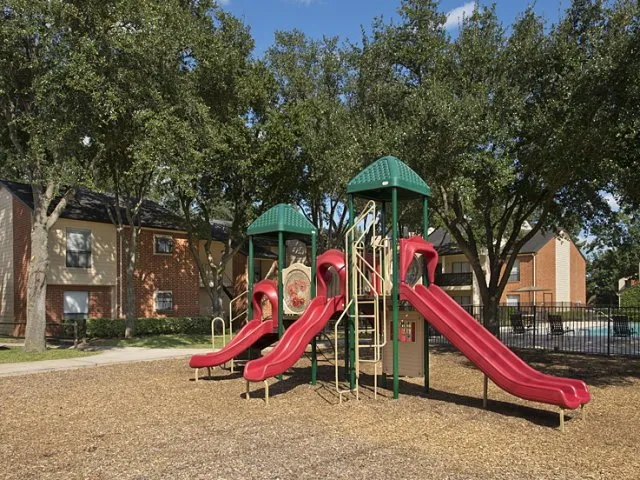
376	181
281	218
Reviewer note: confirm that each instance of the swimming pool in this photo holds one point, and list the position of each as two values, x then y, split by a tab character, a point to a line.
603	330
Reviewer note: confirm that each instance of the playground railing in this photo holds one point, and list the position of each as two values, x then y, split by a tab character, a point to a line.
233	318
562	327
341	391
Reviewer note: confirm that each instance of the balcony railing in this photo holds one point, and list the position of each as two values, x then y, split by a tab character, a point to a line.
454	279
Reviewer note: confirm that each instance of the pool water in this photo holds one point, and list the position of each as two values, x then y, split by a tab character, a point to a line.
603	330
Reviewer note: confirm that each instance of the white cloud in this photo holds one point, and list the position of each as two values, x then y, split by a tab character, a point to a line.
455	16
612	201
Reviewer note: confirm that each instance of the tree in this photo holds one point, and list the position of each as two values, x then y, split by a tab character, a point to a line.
148	117
46	83
615	255
314	82
234	161
501	126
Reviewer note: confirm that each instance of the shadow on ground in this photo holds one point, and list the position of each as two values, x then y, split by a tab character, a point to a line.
595	370
325	388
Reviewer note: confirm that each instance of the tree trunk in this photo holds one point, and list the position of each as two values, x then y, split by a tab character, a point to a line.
216	293
490	313
130	305
37	291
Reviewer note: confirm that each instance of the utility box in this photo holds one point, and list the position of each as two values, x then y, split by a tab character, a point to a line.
411	327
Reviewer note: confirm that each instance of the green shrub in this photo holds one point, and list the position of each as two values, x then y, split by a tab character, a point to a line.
630	297
105	328
110	328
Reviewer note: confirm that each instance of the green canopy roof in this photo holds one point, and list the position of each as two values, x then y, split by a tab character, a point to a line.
376	181
282	218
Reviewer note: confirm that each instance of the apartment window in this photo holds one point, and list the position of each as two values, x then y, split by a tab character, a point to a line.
462	299
460	267
164	301
78	248
76	305
162	245
514	276
513	300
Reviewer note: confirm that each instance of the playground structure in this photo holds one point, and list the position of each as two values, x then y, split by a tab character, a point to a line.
375	273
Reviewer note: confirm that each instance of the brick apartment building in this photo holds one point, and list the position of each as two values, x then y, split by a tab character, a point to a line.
86	273
549	269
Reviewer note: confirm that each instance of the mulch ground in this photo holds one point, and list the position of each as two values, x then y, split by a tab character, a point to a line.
150	420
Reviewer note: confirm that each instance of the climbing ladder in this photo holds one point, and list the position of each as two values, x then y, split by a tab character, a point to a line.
365	292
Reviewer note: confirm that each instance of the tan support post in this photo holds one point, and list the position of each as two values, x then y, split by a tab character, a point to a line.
485	392
197	374
562	419
208	371
266	392
247	392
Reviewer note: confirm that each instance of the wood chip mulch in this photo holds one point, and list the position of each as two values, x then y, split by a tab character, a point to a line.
150	420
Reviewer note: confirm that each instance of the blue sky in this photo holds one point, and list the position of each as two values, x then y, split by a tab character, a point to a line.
345	17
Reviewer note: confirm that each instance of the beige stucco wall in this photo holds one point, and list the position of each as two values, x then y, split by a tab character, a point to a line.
6	259
103	269
206	309
563	269
216	253
411	355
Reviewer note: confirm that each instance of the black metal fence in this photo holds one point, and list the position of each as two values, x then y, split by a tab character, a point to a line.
565	328
70	330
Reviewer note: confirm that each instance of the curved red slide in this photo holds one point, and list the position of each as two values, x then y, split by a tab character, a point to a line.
250	333
489	354
294	341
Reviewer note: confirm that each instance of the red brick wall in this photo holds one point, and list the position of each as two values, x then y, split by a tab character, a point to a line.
177	273
526	280
546	272
99	301
578	276
21	255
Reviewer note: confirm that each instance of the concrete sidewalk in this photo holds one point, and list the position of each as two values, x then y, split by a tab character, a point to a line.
110	356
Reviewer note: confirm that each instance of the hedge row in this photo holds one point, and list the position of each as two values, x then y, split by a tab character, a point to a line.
113	328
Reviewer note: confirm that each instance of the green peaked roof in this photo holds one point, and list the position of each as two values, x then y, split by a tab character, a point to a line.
281	218
376	181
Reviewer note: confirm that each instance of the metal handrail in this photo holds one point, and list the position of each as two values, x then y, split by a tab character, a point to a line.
345	312
213	332
357	277
377	344
233	319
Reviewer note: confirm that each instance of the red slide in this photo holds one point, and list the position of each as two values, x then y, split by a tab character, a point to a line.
484	350
250	333
294	341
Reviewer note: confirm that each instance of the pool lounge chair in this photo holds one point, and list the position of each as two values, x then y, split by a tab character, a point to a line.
556	326
517	324
621	326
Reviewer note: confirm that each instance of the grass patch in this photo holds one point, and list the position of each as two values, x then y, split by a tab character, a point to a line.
176	340
17	354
